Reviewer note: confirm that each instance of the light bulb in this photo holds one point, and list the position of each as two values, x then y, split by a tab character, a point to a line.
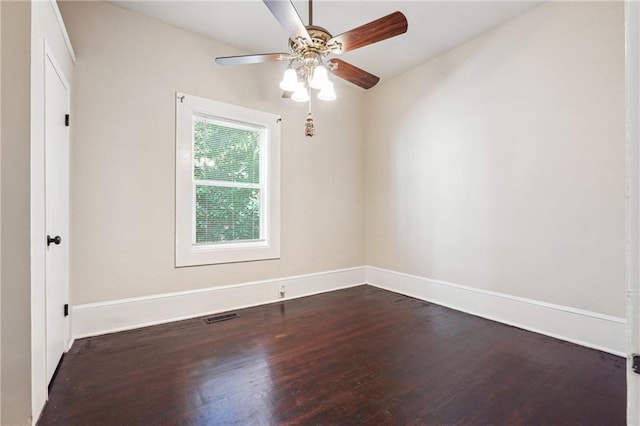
301	94
289	82
320	77
327	93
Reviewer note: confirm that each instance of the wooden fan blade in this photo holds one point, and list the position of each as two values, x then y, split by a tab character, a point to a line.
353	74
252	59
373	32
287	15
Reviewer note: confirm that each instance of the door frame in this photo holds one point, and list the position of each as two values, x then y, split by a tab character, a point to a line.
632	201
41	53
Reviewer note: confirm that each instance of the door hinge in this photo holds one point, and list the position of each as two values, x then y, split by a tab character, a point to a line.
66	120
66	309
635	363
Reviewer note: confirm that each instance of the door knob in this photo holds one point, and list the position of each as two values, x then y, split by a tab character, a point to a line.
55	240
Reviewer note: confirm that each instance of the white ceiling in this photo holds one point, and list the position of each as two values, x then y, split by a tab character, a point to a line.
434	26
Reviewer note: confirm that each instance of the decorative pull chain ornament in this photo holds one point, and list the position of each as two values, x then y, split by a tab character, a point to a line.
308	127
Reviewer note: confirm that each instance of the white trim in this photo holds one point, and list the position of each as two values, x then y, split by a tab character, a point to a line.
41	54
187	252
586	328
63	29
118	315
632	201
227	184
56	66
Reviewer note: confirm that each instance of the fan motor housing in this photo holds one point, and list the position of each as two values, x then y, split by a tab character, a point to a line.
318	46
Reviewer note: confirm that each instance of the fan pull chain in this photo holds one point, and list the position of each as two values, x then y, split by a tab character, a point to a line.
309	129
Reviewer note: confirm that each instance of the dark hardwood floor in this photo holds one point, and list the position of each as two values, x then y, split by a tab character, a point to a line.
355	356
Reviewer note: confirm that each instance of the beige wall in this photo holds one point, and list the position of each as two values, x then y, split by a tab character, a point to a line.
14	246
123	161
500	164
473	175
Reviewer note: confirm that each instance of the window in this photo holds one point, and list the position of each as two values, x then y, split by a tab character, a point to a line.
227	183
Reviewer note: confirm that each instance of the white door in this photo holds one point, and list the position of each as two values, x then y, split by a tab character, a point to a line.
57	212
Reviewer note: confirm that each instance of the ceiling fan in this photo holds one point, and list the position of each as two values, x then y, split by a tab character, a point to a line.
309	48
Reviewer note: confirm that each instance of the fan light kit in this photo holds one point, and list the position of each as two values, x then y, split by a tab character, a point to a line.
309	47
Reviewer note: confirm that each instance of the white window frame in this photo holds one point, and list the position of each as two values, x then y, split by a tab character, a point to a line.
187	252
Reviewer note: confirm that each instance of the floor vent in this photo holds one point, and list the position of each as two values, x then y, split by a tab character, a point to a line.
218	318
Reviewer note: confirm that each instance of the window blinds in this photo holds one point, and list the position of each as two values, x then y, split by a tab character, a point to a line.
226	173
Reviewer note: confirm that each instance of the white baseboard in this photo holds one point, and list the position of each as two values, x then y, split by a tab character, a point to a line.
594	330
598	331
107	317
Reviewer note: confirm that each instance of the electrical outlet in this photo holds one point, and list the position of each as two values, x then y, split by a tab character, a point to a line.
282	291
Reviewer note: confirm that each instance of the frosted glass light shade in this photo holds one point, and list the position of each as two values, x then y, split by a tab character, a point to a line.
327	93
320	77
289	82
301	94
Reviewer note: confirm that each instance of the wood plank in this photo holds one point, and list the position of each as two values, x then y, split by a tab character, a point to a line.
359	355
